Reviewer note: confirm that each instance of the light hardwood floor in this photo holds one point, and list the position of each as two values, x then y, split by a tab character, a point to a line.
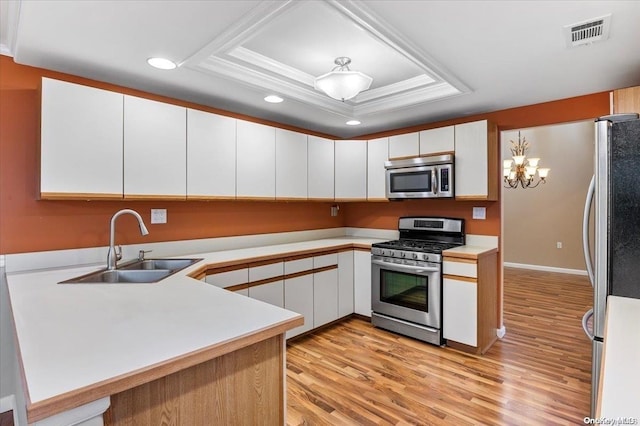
539	374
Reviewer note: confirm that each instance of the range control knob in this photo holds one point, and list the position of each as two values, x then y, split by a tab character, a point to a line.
414	255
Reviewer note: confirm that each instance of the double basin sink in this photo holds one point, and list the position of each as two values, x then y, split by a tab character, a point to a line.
137	271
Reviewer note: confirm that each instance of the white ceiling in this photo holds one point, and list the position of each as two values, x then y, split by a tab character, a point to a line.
430	60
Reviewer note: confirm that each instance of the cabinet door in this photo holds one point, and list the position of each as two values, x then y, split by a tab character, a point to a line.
80	141
298	297
436	141
229	278
271	293
460	311
351	170
256	170
401	146
362	282
291	165
345	283
321	168
476	161
377	154
211	155
325	297
155	149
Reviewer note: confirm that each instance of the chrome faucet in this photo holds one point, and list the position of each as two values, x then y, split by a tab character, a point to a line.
114	255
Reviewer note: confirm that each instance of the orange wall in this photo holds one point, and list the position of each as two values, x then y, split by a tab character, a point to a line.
27	224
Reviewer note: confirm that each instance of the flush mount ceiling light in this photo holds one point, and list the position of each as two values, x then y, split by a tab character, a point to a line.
273	99
162	63
342	83
353	123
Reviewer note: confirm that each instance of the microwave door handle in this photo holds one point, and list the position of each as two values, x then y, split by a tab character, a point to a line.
434	180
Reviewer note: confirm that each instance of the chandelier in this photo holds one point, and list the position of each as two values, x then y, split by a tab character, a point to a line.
342	83
522	171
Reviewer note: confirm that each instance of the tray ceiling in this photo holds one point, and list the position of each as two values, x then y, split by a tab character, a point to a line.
430	60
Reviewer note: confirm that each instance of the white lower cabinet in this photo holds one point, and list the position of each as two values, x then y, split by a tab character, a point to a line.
345	283
362	282
272	293
298	297
460	311
325	297
229	278
320	288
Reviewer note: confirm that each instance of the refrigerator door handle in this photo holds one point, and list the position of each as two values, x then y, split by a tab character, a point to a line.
585	230
585	320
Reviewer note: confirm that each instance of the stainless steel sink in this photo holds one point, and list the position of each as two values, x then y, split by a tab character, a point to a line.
138	271
121	276
152	264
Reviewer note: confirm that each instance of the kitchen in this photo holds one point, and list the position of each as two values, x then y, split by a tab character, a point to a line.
30	225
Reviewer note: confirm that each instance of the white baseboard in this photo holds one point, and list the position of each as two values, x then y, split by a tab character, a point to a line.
7	403
545	268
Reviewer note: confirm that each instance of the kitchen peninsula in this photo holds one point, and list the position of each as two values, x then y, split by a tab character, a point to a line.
178	349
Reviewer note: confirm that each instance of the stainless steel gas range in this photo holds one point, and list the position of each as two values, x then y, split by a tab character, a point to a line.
406	276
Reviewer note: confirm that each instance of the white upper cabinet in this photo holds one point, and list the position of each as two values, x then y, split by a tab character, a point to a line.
155	149
291	165
406	145
81	141
476	157
351	170
321	162
439	140
377	154
211	155
256	170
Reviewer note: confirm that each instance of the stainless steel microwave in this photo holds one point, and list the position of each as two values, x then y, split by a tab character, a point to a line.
422	177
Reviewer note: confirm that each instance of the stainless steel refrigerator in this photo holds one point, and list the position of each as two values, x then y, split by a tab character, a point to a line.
614	198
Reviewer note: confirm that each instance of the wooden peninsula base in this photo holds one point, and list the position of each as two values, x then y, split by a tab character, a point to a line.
239	388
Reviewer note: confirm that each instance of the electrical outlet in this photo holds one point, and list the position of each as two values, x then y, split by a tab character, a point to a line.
334	210
559	244
480	213
158	216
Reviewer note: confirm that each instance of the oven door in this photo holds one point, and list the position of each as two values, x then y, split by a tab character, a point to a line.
411	293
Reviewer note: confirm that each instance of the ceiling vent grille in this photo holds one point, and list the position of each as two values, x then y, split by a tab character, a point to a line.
588	32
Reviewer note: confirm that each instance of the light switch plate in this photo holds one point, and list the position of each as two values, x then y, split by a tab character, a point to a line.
480	213
158	216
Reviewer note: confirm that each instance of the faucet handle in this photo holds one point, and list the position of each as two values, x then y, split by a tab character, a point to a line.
118	252
141	254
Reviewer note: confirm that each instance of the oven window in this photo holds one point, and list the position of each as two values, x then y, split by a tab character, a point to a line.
402	289
411	182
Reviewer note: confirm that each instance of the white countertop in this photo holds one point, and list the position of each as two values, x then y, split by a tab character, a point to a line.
620	373
75	335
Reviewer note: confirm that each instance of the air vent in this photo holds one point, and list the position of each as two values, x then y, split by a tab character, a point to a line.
587	32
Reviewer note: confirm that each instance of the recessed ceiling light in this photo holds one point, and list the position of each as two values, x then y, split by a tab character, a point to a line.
353	123
273	99
161	63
